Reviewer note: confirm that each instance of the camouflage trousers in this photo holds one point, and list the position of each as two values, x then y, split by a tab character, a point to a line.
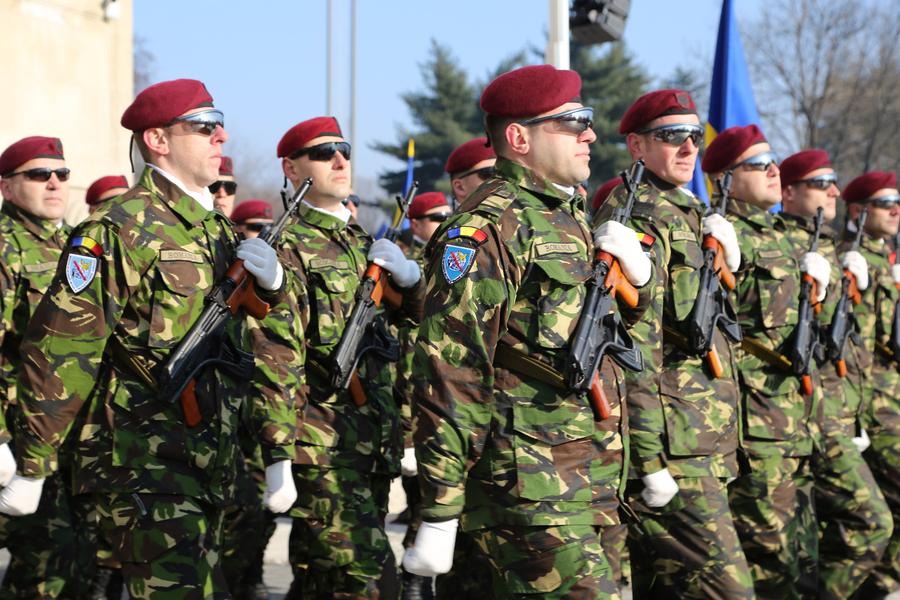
338	546
688	548
769	504
565	561
854	519
613	538
470	575
44	548
883	457
168	545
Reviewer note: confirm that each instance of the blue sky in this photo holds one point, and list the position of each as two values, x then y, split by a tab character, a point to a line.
264	62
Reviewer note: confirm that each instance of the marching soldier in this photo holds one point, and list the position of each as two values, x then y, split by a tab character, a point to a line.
224	189
250	217
469	165
504	449
132	280
105	188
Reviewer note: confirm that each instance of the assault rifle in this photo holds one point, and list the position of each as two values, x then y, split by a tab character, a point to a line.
203	346
712	309
843	322
806	336
600	330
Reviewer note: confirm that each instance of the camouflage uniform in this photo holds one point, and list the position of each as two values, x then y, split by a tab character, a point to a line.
854	522
346	455
41	545
144	265
680	417
517	459
881	419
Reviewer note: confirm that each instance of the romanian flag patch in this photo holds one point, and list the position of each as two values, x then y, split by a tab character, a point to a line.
466	231
92	246
646	239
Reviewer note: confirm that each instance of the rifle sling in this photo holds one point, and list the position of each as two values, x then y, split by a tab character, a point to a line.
512	359
122	356
775	359
884	351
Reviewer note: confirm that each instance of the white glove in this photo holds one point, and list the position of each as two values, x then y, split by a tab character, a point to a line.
862	442
408	467
388	255
262	262
718	226
856	263
659	488
280	490
817	266
21	496
895	272
7	465
622	242
432	553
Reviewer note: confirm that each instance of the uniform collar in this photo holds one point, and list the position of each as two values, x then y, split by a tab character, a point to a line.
531	181
808	224
752	213
173	196
204	197
674	194
40	228
322	219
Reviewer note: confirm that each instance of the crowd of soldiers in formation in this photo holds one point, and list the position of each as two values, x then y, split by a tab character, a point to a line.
700	401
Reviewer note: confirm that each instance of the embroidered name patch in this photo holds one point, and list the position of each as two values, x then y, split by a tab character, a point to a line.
80	271
40	267
555	248
770	253
318	263
683	236
182	255
456	262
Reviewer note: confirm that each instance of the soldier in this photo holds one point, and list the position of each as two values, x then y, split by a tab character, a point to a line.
854	522
250	217
877	190
224	189
347	454
683	421
504	449
35	192
469	165
105	189
603	193
132	280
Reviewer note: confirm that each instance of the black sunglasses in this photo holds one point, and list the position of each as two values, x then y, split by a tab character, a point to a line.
324	152
434	218
759	162
885	201
255	226
676	134
230	187
42	174
484	173
202	122
820	182
576	121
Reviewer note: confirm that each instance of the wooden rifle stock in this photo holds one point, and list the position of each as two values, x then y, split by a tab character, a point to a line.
617	282
725	274
382	290
813	292
598	398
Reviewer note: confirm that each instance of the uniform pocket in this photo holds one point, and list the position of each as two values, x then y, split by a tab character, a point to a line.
696	420
561	296
684	280
177	300
777	289
333	288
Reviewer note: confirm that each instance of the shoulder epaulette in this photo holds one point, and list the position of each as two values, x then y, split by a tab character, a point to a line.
643	210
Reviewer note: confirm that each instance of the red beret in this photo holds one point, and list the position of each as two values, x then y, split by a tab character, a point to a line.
301	133
654	105
603	192
863	187
728	145
160	103
468	155
251	209
530	91
103	185
422	203
36	146
796	166
227	167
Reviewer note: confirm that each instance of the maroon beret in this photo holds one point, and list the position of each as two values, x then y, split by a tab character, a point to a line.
468	155
530	91
728	145
227	167
422	203
103	185
654	105
251	209
36	146
863	187
603	192
160	103
796	166
301	133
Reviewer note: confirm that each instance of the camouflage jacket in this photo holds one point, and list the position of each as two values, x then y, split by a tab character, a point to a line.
131	282
680	417
403	385
493	444
327	258
29	252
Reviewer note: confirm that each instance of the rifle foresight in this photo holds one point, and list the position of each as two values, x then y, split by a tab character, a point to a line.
630	179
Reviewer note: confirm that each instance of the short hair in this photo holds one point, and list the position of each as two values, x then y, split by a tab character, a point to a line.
495	130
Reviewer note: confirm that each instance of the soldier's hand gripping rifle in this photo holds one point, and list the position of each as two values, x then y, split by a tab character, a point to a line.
843	323
202	347
712	309
362	334
600	330
805	344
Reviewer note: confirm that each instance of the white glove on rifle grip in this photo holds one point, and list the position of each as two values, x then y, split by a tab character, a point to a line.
718	226
388	255
408	466
7	465
895	272
280	491
21	496
622	242
817	266
857	264
432	553
261	260
659	488
862	442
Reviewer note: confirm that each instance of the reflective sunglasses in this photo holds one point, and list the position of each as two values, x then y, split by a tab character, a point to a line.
484	173
202	122
676	134
434	218
576	121
230	187
885	201
759	162
324	152
255	226
43	174
821	182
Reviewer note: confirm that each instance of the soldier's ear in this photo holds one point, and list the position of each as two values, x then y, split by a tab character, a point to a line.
635	145
5	189
518	138
155	140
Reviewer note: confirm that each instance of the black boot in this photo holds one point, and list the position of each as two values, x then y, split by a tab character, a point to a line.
417	587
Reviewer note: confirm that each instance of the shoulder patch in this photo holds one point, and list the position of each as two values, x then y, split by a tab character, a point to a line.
642	210
173	255
466	231
92	246
456	262
80	271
